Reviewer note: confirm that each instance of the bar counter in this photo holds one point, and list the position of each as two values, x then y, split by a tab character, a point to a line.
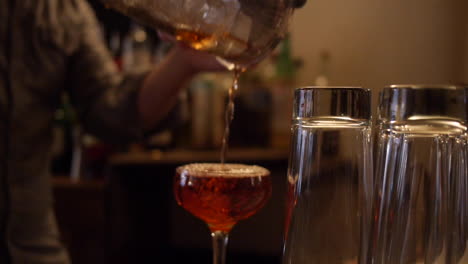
183	156
132	216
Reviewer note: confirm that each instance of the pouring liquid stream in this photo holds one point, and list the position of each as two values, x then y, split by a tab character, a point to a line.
236	52
229	113
205	42
233	51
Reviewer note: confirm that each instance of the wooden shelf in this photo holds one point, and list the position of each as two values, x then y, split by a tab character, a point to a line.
65	182
247	155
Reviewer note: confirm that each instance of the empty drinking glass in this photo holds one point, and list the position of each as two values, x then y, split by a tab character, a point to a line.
329	176
420	213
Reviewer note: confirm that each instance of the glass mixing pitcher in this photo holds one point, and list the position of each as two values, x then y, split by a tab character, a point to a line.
238	32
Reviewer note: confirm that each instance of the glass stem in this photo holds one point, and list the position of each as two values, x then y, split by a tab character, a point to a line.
220	240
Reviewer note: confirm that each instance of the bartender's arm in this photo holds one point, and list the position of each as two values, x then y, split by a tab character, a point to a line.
118	107
161	87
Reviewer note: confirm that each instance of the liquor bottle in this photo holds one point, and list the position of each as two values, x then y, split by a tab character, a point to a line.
283	84
322	78
62	146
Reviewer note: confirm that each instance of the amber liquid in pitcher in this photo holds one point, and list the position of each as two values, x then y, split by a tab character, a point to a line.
231	50
235	51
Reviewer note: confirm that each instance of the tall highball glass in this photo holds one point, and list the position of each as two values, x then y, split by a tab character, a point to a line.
329	176
420	203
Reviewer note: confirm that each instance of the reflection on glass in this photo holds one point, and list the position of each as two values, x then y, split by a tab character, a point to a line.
329	177
420	204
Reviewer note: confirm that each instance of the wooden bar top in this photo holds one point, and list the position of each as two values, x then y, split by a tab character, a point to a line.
181	156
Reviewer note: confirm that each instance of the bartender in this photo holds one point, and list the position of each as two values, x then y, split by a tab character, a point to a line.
48	47
51	46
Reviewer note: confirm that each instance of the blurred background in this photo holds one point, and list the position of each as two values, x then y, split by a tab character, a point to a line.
377	43
115	204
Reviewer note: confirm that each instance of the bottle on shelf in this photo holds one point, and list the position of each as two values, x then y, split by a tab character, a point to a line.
63	138
322	78
282	85
137	50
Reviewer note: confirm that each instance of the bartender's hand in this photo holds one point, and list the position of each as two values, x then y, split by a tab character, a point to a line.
198	61
161	87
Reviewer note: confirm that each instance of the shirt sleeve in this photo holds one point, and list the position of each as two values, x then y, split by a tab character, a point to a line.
105	99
